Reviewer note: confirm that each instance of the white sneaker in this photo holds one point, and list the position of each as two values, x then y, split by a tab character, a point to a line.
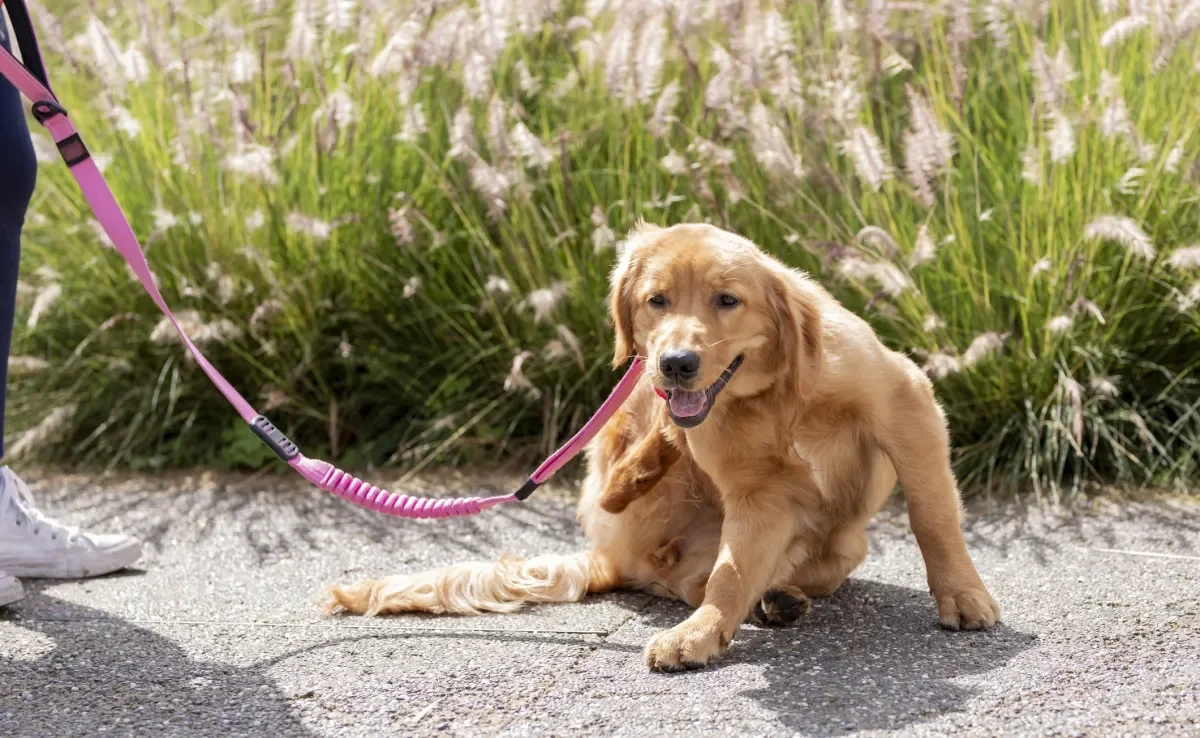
33	545
10	589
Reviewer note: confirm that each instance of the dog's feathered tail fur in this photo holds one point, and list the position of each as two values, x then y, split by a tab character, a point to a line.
501	586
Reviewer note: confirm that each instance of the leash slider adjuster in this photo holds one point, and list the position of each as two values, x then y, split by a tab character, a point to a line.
274	438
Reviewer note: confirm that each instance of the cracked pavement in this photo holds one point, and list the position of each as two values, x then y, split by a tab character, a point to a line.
218	631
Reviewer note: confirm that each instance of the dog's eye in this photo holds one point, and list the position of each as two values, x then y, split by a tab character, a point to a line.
658	301
727	301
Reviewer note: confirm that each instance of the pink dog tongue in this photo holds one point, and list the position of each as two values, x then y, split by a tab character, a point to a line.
686	404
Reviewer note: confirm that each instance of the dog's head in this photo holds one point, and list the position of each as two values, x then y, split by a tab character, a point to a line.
713	316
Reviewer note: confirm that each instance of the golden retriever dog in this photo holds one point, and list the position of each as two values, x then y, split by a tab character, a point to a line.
770	426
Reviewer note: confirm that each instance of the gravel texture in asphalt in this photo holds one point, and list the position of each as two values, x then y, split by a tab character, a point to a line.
217	632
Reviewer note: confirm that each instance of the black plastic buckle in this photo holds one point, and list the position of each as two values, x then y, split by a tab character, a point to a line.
44	110
274	438
526	489
72	148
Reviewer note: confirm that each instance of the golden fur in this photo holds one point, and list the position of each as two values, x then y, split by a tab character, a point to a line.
768	498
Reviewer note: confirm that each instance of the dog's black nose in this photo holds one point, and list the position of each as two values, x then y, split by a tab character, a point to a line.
681	366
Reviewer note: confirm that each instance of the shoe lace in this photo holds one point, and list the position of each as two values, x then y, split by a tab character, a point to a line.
22	505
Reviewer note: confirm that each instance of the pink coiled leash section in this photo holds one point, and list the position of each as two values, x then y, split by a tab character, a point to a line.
29	76
332	479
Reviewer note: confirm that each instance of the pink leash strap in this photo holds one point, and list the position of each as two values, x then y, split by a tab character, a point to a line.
31	80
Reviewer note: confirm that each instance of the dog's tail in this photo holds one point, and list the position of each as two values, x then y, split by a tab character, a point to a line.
502	586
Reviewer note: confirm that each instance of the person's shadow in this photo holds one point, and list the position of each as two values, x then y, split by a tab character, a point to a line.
870	657
118	677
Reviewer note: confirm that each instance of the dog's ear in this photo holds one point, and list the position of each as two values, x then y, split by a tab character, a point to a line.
798	320
620	299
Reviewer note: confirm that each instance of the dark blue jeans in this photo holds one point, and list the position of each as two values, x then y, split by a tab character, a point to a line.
18	173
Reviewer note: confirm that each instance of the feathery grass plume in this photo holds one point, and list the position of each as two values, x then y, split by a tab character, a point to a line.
995	20
842	21
674	164
1052	75
401	226
1071	393
1185	258
942	364
527	83
254	161
477	75
618	62
492	185
1084	305
340	15
529	147
881	238
497	285
1061	136
50	428
302	40
516	381
1123	29
124	121
984	345
18	365
932	323
396	52
891	279
265	310
771	147
414	125
649	59
1105	386
164	219
839	90
412	286
603	237
225	289
928	147
571	342
1114	120
1124	231
42	303
1130	181
1040	266
1174	159
315	228
462	135
924	248
1060	324
1031	164
219	331
867	153
1185	301
664	110
544	301
496	133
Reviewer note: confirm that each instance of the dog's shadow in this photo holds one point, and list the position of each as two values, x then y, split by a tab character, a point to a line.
871	657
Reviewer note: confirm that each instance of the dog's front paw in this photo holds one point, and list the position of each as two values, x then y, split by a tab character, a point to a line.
689	645
967	609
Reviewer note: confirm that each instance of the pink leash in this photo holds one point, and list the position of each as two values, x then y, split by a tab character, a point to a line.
30	78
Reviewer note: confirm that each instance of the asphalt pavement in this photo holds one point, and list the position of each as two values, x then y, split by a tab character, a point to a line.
218	632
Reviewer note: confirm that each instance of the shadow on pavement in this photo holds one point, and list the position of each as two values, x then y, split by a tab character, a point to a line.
871	657
116	677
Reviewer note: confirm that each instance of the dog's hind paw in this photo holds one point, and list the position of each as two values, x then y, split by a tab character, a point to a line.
781	607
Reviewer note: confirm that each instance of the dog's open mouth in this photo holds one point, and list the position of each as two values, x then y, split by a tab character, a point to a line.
689	408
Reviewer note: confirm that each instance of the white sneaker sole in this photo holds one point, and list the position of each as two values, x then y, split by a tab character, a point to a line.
94	564
10	591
